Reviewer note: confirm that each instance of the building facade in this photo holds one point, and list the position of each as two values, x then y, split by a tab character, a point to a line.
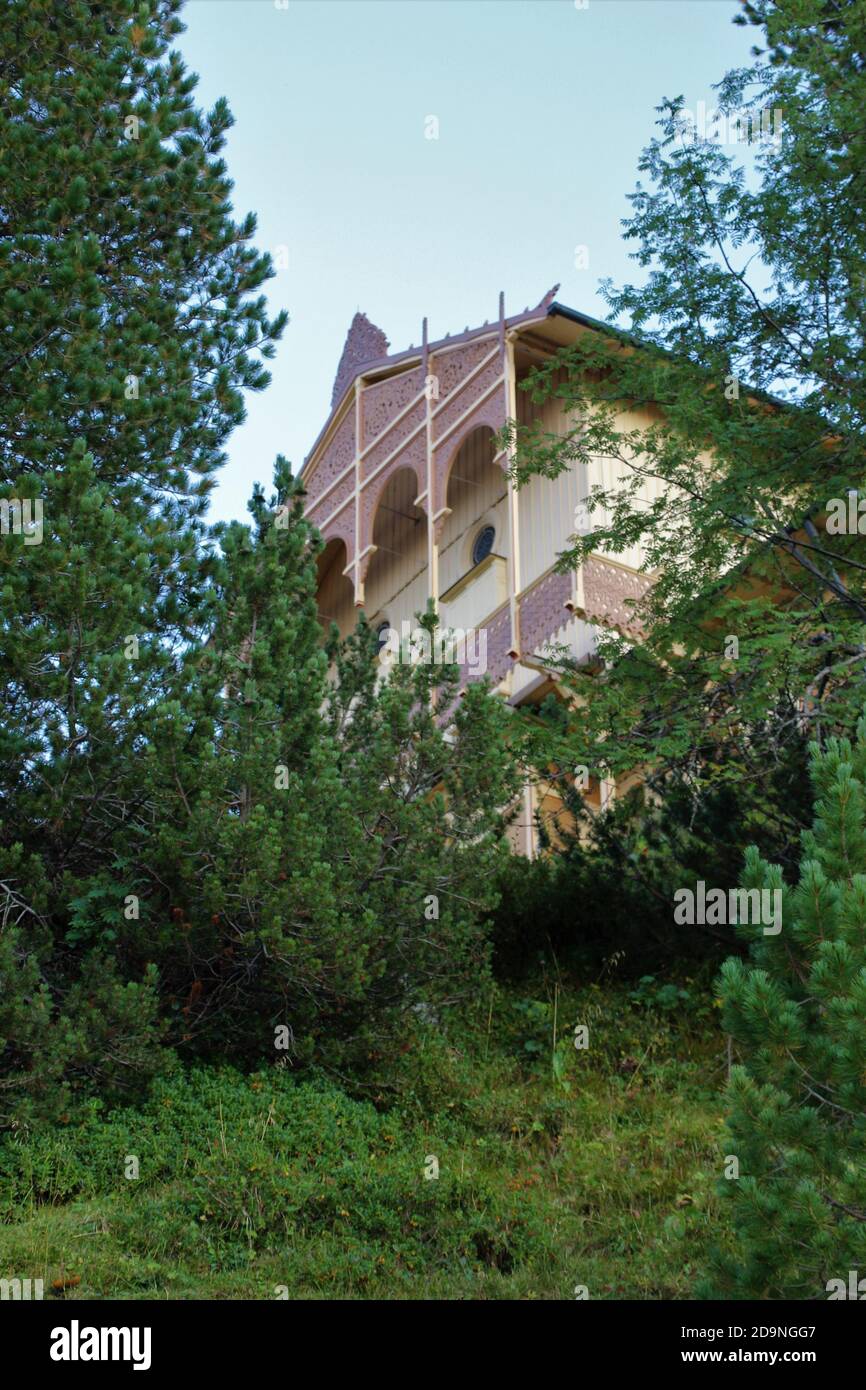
416	504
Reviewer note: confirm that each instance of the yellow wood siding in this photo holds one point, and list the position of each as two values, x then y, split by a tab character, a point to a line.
396	585
476	493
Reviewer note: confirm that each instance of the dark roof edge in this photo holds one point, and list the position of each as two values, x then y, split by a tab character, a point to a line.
628	337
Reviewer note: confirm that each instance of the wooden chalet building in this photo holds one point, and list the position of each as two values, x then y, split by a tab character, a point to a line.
415	503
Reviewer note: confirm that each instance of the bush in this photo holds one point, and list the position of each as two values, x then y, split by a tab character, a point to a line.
604	892
254	1163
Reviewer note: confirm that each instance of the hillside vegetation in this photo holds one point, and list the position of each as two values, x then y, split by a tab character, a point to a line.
555	1169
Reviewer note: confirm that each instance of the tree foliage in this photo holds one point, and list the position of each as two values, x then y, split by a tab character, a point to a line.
796	1009
742	352
203	835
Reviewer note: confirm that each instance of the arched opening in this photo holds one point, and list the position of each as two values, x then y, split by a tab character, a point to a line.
477	496
396	583
335	591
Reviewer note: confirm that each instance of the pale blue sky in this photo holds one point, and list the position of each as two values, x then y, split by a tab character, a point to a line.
543	110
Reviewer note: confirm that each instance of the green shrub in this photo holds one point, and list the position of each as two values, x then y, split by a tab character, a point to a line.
256	1162
603	894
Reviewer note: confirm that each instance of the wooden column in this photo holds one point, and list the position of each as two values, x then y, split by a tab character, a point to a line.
359	586
529	826
513	511
432	543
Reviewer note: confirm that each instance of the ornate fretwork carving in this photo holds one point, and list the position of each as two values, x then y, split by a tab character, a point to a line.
466	396
499	645
413	420
606	587
364	343
337	456
497	631
543	611
385	400
450	368
324	506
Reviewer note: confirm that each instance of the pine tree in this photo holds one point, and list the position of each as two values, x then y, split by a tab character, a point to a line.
203	836
130	326
326	844
797	1011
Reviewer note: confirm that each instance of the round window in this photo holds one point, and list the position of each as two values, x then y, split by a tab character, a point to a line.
483	544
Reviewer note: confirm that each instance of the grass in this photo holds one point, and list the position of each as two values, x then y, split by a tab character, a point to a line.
557	1168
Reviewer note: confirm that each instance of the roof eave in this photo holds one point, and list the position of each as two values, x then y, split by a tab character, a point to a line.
413	355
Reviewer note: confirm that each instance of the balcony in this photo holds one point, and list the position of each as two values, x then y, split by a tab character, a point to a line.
476	596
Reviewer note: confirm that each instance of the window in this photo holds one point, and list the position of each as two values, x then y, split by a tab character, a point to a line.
483	544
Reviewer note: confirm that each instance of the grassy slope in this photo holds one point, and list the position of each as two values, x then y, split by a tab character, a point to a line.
249	1183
